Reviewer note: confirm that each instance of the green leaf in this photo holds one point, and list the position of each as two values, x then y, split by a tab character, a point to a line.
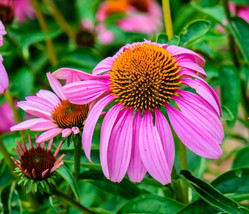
151	204
125	188
226	114
241	159
162	38
234	183
211	195
65	173
240	30
194	31
174	41
230	90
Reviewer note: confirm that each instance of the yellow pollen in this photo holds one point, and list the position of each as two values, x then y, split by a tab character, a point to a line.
68	115
144	76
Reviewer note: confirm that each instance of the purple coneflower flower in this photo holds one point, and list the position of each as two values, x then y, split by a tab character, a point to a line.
55	113
4	81
143	79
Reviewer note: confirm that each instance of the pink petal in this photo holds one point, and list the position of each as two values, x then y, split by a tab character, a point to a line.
4	81
84	92
195	138
106	129
166	137
151	151
66	132
75	130
120	144
43	126
187	62
40	100
27	124
91	121
202	117
136	169
49	96
49	135
104	65
205	91
56	86
177	51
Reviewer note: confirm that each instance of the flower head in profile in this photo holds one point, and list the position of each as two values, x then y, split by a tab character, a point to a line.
143	79
55	113
4	80
37	164
137	12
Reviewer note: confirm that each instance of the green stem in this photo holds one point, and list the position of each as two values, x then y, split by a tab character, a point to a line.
77	150
7	158
44	28
177	186
167	19
61	21
68	200
10	100
183	164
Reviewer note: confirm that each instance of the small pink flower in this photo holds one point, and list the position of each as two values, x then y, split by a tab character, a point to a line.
142	79
6	118
55	113
4	81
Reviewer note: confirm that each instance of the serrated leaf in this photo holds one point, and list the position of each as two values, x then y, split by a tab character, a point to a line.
65	173
211	195
125	188
230	90
151	204
194	31
240	30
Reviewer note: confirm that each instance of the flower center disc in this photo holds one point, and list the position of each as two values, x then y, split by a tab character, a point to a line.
68	115
144	76
38	159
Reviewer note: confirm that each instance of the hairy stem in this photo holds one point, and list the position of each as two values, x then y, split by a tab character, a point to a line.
44	28
167	19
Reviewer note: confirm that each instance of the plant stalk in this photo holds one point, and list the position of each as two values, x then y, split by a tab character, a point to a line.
77	150
61	21
44	28
68	200
183	164
167	19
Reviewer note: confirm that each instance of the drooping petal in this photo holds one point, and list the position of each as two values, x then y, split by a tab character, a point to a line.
120	145
43	126
66	132
27	124
136	169
202	117
205	91
151	151
49	134
104	65
91	121
4	81
56	86
75	130
42	101
105	134
166	137
177	51
195	138
84	92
